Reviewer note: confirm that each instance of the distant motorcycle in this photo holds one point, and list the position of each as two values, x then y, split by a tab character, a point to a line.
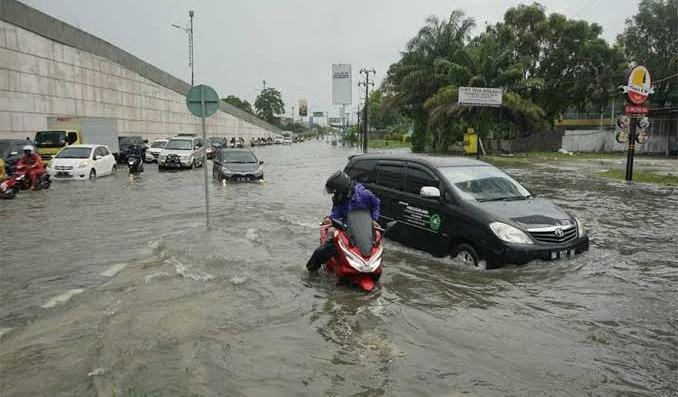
135	163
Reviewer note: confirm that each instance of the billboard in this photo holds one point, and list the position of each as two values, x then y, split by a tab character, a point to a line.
318	114
342	84
480	96
303	108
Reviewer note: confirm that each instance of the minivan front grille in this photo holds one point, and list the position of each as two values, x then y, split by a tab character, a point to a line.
554	234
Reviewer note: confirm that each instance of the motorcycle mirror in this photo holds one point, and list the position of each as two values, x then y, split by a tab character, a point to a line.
337	224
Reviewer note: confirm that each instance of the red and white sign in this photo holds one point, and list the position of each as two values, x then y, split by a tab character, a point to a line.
630	109
639	85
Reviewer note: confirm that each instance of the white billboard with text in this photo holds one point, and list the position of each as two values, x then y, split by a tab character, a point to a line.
342	84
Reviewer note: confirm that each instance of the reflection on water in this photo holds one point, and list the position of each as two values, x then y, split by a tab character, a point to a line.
116	288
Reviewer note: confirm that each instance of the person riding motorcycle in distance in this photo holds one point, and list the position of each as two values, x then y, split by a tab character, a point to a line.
32	163
347	195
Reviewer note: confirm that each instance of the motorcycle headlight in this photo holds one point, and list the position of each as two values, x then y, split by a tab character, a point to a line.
581	232
509	233
83	164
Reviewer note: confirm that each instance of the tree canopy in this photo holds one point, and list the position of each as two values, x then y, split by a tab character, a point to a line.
546	64
269	105
239	103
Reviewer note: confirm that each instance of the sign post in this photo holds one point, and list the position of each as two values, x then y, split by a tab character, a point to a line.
483	97
203	102
638	89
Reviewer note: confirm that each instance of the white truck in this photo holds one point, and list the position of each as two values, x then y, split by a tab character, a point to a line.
64	131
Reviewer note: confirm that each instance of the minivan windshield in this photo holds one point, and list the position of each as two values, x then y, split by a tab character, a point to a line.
74	153
484	183
179	144
230	156
47	139
159	144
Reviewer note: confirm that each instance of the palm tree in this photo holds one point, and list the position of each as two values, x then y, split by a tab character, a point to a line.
418	75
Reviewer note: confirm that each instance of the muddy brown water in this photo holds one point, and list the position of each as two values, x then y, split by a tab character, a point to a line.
115	288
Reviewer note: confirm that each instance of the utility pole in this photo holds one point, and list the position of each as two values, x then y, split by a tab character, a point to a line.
189	30
367	84
264	86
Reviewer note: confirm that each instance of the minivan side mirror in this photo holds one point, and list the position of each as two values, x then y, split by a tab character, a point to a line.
261	162
429	192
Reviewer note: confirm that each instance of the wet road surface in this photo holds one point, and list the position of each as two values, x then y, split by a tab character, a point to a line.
116	288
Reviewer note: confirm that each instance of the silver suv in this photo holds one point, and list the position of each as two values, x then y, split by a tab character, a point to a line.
182	151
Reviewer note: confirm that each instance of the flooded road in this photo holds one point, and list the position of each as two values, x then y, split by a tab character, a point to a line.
115	288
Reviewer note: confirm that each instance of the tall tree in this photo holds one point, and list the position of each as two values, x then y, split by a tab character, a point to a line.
651	38
269	104
239	103
416	77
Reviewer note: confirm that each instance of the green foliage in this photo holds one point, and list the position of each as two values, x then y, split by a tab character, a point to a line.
546	64
651	38
294	127
239	103
269	104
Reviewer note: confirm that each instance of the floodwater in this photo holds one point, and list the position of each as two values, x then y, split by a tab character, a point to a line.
115	288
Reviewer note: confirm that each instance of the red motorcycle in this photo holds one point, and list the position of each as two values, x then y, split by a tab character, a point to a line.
21	181
359	250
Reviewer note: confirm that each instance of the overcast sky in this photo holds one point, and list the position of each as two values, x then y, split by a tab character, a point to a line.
292	43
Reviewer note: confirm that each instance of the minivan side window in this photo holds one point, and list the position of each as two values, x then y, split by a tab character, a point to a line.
362	171
417	178
391	175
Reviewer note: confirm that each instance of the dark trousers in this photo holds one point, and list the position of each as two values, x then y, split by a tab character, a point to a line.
322	254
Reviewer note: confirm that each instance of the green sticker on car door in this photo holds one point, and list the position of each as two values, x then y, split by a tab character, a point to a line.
434	222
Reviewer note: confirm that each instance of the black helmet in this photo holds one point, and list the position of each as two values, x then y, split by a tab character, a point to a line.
339	186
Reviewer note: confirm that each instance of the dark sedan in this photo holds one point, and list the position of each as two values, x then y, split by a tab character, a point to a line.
11	151
237	164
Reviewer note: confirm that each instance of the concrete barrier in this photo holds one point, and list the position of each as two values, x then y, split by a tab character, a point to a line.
50	68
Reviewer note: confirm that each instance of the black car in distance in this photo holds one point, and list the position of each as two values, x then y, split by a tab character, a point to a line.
467	209
237	164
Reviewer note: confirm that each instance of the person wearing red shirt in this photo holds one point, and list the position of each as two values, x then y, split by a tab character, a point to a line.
31	163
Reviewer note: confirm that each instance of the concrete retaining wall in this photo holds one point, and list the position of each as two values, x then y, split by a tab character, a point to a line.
49	68
604	141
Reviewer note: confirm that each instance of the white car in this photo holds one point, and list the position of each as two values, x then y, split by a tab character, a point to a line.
82	162
182	152
287	141
278	140
153	152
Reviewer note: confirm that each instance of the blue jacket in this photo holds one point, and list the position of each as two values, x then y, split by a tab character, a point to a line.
362	199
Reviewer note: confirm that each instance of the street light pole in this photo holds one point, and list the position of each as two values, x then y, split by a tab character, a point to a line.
189	30
367	84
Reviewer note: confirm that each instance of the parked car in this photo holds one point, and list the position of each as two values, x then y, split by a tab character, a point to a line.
467	209
11	151
237	164
126	143
278	140
186	151
287	141
82	162
154	151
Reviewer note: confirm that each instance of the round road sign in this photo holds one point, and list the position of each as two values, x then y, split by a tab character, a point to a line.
202	101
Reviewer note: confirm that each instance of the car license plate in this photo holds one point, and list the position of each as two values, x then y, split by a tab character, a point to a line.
63	175
562	254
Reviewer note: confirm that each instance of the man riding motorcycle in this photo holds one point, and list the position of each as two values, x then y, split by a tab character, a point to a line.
347	195
31	163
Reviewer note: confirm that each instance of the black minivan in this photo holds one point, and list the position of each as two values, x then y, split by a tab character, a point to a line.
467	209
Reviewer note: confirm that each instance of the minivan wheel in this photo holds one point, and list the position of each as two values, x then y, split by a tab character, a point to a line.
468	256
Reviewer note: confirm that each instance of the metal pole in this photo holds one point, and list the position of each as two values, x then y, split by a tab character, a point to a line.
631	152
367	93
190	44
204	166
